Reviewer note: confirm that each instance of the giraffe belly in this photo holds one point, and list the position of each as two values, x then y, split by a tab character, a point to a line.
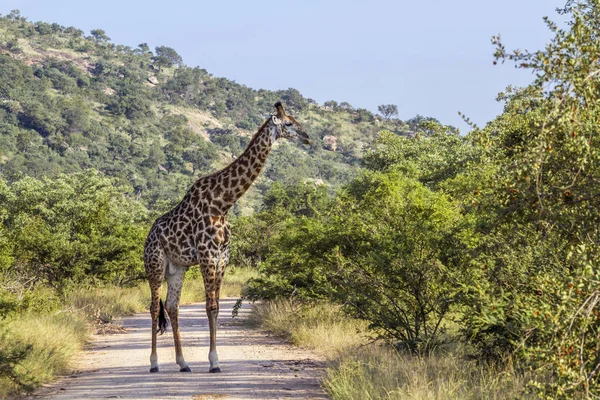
217	251
184	259
180	253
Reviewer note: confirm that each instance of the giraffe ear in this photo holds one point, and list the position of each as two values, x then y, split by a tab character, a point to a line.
279	107
276	120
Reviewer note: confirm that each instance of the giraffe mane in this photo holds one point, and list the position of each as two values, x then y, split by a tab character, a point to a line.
255	136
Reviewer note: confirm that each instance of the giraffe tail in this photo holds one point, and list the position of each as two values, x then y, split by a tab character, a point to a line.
162	320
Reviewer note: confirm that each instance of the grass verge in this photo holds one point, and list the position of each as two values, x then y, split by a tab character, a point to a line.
35	348
361	370
106	303
321	327
377	372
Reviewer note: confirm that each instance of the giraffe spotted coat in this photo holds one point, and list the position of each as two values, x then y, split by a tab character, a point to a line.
196	232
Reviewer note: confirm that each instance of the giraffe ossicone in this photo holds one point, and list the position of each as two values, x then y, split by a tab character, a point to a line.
196	232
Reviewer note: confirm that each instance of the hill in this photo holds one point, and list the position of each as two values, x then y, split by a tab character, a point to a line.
70	102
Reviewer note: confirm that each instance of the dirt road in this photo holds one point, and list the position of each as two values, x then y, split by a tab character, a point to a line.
254	364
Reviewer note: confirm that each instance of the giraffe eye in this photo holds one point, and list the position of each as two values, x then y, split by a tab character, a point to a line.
288	124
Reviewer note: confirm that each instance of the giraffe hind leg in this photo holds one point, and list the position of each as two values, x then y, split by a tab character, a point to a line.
155	311
155	270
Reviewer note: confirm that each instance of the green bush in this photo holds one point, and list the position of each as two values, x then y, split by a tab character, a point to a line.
379	250
73	228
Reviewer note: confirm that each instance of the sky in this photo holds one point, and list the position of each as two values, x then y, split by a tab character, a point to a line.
429	57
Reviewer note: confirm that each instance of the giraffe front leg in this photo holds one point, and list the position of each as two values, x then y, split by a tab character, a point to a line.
213	268
212	311
175	277
209	274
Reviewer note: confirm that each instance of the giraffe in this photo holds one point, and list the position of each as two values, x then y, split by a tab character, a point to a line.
196	232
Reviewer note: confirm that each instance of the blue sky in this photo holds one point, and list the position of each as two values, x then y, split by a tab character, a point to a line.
429	57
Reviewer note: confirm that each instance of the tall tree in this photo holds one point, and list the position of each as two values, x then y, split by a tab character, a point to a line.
166	57
99	35
388	110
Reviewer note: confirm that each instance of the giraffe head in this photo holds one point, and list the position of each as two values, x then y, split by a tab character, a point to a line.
288	127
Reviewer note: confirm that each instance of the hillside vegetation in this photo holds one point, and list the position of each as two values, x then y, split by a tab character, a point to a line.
70	102
478	252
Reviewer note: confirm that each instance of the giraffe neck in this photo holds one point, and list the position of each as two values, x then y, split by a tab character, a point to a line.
229	184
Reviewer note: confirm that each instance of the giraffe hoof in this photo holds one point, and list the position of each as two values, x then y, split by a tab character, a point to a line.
154	369
186	369
214	370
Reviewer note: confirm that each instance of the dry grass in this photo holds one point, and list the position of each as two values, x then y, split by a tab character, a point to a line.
106	303
376	372
55	337
198	120
359	370
53	341
235	280
321	327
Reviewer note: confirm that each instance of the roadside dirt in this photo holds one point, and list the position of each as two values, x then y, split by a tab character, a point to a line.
255	365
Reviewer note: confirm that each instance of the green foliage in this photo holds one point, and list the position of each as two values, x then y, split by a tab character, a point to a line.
431	159
378	249
391	237
561	324
72	228
99	35
388	110
229	139
96	141
280	204
498	230
538	206
490	238
71	102
166	57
